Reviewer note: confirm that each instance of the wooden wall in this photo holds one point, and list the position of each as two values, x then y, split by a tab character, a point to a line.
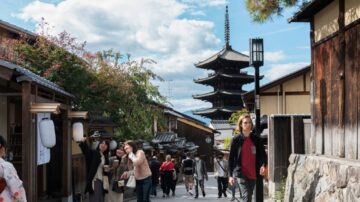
198	136
336	94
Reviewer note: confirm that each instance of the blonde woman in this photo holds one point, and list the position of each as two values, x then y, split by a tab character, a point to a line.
247	159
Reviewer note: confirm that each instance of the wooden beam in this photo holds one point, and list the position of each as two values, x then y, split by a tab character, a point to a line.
67	161
28	145
45	107
10	94
78	114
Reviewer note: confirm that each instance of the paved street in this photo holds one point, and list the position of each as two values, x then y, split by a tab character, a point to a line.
181	195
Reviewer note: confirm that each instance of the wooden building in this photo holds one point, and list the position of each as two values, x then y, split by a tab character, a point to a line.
194	131
289	94
335	45
24	98
227	80
332	173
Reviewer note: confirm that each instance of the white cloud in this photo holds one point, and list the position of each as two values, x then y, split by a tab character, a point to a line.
204	3
274	56
278	70
156	30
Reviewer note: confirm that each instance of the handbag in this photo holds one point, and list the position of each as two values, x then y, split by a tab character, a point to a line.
118	186
131	183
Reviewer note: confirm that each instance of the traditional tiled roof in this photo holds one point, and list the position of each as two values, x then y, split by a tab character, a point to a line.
213	110
163	137
221	124
227	53
25	74
221	92
15	29
244	78
308	10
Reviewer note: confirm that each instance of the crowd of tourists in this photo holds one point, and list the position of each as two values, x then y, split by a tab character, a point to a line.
107	177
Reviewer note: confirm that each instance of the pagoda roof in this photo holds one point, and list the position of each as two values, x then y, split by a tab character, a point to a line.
215	110
245	77
219	92
227	54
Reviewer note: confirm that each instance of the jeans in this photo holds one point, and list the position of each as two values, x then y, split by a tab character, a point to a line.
246	187
143	188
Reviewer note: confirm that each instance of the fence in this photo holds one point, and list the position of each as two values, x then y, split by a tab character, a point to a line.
287	134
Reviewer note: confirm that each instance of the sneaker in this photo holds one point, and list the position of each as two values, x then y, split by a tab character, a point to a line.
225	194
196	196
233	198
204	194
173	194
219	196
163	195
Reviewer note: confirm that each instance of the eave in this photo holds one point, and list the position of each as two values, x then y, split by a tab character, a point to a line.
309	10
218	92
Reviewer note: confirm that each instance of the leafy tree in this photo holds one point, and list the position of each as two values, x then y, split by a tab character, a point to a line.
263	10
103	83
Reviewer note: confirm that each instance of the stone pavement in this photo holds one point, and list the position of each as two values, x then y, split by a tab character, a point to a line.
181	195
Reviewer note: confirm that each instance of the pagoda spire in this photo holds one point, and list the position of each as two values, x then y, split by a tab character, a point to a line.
227	29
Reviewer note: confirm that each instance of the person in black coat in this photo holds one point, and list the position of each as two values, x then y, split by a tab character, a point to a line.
247	159
96	172
154	167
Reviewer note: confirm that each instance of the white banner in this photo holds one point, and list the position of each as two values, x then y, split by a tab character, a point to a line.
43	153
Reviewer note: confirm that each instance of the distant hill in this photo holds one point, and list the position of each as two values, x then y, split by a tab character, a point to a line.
200	118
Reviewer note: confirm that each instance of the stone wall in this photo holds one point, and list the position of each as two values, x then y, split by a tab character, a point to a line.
322	178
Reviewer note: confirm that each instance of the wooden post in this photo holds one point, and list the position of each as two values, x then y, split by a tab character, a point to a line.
67	145
342	44
312	89
29	175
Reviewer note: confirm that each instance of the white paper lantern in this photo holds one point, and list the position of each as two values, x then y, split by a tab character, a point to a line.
47	133
78	131
94	144
112	145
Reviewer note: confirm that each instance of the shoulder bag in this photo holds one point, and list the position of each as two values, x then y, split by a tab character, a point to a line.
131	183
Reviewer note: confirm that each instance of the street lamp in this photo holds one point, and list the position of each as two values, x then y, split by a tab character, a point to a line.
257	60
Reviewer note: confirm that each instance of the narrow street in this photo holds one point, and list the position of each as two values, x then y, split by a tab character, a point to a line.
210	189
181	195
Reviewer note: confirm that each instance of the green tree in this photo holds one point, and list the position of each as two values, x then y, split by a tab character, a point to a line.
263	10
103	83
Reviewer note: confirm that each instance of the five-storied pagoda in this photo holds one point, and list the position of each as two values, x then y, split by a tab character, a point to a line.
227	80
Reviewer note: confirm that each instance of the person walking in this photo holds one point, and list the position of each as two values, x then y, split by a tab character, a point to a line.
167	168
119	164
11	186
97	163
247	159
155	168
175	174
188	172
221	174
141	171
200	176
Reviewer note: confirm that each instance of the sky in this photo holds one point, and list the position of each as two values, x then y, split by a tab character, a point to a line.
175	33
